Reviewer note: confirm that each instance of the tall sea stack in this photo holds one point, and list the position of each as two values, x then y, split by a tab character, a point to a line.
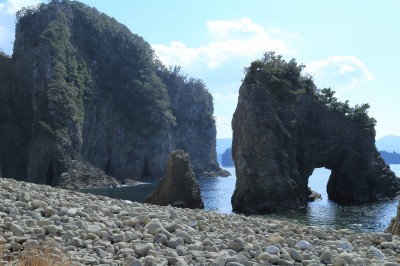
81	87
284	128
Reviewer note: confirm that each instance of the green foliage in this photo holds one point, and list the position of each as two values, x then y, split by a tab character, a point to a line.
284	79
93	52
190	98
357	114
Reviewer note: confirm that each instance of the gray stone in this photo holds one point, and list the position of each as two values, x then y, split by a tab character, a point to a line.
31	244
118	238
272	250
35	204
376	253
141	249
52	229
344	244
185	236
175	242
16	229
325	256
154	227
296	256
160	238
304	245
115	209
237	244
319	234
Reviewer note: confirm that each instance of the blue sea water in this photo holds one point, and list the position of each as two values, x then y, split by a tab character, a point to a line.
217	192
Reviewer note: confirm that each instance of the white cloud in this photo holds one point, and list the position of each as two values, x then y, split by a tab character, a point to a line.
12	6
229	39
7	21
224	129
339	72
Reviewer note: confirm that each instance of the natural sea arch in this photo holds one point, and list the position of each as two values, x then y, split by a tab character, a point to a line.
278	140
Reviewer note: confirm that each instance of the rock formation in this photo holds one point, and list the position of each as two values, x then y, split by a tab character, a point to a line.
178	187
283	128
394	226
80	86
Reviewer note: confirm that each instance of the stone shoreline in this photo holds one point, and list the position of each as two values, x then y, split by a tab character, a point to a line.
96	230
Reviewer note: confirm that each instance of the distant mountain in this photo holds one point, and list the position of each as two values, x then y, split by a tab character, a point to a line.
223	144
226	159
389	157
389	143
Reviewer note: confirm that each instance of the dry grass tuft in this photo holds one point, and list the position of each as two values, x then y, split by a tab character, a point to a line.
40	256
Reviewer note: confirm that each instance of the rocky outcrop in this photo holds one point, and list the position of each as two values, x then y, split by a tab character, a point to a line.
394	226
178	187
284	128
83	175
81	87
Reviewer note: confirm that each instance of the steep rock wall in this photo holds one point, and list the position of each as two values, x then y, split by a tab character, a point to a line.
283	129
83	87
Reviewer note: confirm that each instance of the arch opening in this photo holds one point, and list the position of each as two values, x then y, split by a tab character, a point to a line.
318	182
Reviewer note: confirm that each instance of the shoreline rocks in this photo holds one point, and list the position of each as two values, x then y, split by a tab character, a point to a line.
91	229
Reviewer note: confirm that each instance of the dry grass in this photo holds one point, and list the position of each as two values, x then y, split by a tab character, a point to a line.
45	255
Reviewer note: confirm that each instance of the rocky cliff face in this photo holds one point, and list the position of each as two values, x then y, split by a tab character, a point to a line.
80	86
284	127
178	187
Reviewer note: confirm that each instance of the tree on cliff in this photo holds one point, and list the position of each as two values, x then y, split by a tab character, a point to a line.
287	80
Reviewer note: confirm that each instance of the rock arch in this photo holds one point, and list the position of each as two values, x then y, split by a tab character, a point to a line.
282	131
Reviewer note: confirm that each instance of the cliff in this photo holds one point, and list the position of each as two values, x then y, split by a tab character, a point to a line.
284	127
81	87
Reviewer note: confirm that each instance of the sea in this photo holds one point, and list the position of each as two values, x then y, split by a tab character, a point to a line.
217	191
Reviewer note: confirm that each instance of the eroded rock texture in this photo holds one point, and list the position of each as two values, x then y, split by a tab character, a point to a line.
178	187
283	128
80	86
394	226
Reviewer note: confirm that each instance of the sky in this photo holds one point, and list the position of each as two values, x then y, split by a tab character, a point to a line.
351	46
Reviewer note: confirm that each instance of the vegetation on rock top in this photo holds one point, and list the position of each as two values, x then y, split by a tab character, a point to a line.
287	81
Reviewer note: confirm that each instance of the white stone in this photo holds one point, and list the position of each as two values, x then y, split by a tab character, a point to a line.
185	236
154	227
35	204
375	252
141	249
272	250
304	245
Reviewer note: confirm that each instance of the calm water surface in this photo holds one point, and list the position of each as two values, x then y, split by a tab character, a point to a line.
217	192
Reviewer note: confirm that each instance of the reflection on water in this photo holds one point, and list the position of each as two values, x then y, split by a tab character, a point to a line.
217	192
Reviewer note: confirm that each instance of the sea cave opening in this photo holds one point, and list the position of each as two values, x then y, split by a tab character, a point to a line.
50	175
318	181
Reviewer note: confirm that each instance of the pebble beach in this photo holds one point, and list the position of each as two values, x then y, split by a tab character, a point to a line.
90	229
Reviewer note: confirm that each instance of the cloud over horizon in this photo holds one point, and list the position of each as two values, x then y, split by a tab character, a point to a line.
229	39
339	72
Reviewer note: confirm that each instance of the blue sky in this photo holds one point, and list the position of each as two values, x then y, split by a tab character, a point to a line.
351	46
